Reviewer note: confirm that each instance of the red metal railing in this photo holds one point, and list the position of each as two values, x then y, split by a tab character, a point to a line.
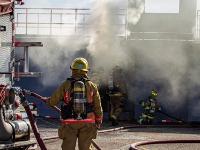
2	93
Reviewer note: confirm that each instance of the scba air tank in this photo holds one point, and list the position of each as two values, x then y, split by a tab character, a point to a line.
79	100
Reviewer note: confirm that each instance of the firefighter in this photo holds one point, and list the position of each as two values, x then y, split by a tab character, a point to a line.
150	107
100	79
117	93
81	110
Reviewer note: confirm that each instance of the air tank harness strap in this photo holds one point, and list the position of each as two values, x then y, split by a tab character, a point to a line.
68	94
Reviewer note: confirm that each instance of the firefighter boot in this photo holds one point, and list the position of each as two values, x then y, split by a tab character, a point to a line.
114	121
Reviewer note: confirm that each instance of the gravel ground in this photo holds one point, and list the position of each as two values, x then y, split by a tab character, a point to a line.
121	140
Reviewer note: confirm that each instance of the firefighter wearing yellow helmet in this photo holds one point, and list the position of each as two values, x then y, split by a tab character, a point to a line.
81	110
80	64
149	108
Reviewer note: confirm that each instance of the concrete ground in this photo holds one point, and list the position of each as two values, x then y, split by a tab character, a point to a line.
121	140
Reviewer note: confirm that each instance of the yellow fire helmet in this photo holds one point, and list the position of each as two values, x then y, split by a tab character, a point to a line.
80	64
154	93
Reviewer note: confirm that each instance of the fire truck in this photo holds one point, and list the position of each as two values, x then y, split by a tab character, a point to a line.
15	128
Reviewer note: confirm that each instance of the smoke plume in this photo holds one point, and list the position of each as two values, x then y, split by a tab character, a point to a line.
169	66
135	10
54	59
104	44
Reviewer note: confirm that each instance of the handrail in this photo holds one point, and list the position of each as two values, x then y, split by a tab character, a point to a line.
34	20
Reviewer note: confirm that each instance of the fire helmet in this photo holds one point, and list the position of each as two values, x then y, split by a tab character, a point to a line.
154	93
80	64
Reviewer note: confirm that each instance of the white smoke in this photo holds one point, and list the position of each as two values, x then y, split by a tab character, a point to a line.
168	67
104	44
174	68
55	57
135	11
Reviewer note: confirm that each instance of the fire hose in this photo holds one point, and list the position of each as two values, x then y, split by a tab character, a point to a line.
2	93
132	126
135	145
40	98
172	117
33	124
32	121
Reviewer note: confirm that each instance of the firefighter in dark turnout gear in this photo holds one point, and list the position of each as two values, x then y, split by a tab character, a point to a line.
149	108
117	93
81	110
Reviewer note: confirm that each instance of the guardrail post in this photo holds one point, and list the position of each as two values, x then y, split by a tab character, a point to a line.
75	19
26	20
38	23
51	17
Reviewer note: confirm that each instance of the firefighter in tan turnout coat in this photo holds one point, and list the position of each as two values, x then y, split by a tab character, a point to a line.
117	93
81	110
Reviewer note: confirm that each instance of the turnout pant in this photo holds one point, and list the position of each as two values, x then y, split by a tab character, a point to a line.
116	104
84	132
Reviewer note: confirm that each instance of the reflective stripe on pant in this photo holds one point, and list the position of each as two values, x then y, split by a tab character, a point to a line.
84	132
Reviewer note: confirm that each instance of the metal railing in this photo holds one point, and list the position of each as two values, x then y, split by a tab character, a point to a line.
197	29
72	21
58	21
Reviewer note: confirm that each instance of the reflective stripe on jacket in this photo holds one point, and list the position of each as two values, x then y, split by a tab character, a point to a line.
93	98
